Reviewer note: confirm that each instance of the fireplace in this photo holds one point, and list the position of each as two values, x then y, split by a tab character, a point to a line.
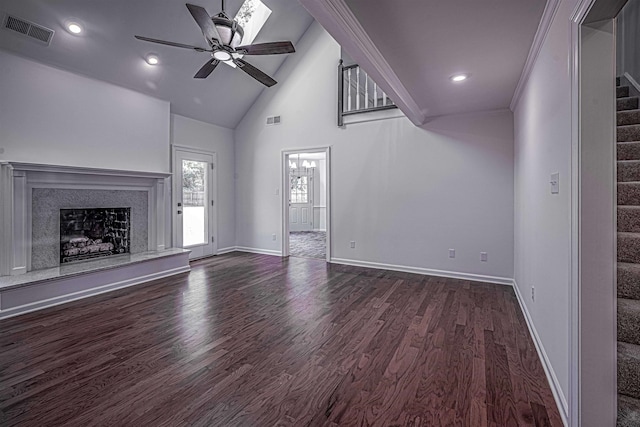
32	196
94	233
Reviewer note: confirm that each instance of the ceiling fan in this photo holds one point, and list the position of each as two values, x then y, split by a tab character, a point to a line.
224	36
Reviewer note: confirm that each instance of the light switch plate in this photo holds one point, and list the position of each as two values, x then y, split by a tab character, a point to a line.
555	183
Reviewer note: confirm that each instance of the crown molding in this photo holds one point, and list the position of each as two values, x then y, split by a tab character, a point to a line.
538	40
340	22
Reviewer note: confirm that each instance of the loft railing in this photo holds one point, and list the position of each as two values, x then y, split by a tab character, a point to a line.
358	93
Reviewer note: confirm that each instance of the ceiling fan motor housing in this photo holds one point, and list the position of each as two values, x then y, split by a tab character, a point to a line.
230	31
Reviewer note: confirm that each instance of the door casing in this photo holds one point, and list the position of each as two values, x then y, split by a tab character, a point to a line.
213	194
284	195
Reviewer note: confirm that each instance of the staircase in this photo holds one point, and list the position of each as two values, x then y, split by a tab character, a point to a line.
628	157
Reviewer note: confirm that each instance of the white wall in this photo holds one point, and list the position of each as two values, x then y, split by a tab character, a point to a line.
542	220
628	39
205	136
404	194
56	117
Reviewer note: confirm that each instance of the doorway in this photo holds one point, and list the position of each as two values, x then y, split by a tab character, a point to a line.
194	195
592	363
306	204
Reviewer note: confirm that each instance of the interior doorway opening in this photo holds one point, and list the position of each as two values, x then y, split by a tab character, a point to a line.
306	203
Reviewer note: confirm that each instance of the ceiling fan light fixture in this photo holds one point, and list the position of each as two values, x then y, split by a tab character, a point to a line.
230	34
222	55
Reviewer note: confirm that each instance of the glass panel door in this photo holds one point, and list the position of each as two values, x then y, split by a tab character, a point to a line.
194	204
194	216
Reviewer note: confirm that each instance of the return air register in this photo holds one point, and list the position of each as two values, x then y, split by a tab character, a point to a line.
273	120
28	29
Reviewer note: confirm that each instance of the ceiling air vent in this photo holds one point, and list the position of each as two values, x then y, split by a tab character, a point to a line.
29	29
273	120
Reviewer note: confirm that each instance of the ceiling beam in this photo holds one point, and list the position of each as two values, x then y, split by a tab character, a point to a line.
339	21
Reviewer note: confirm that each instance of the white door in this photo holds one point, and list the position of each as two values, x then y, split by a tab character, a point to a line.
300	199
194	203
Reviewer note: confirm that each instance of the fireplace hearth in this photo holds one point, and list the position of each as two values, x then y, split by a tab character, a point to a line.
94	233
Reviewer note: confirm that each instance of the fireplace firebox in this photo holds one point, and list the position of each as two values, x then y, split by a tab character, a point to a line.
94	233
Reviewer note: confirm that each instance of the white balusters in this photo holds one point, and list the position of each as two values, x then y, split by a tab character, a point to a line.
349	90
366	91
375	95
358	88
361	93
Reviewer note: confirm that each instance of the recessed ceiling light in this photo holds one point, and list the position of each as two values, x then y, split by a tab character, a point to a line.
74	28
459	77
222	55
152	60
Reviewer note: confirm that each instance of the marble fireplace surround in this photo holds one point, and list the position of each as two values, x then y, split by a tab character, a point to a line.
23	290
19	180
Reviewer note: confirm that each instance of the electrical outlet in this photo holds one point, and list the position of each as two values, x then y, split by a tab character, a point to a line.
533	293
353	244
452	253
483	256
273	237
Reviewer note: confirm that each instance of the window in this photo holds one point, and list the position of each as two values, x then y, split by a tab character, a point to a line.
299	187
251	17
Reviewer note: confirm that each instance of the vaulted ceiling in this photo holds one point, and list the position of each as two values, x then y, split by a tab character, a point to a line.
413	47
422	42
108	51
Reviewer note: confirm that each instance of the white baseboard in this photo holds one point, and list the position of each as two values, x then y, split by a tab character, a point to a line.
63	299
425	271
561	401
258	251
226	250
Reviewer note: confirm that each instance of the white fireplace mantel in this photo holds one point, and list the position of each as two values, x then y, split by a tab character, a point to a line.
17	181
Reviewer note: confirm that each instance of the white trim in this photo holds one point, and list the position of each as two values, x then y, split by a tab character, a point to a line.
22	178
561	401
178	147
425	271
258	251
632	81
339	21
213	194
39	305
226	250
538	40
373	116
576	313
38	167
574	271
284	198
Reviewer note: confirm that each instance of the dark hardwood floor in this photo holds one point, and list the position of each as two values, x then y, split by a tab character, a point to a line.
255	340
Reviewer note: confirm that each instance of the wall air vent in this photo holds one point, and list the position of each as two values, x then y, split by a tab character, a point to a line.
29	29
273	120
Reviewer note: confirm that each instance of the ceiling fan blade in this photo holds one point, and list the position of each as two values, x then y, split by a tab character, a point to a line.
254	72
184	46
206	69
204	22
273	48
